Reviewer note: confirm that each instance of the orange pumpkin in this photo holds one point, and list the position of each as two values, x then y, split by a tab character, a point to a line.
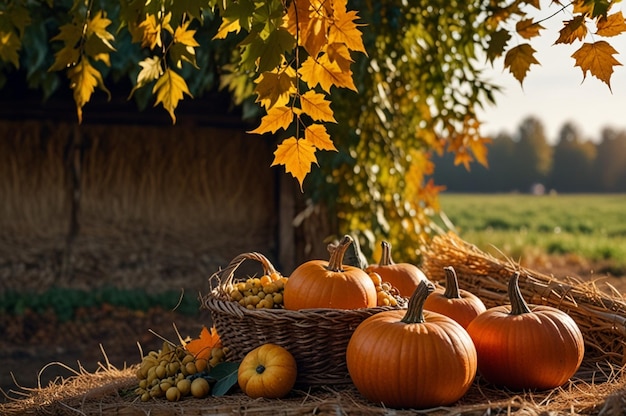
329	284
461	305
403	276
413	358
268	371
526	347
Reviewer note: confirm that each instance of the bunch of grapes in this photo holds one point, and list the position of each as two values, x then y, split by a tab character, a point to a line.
386	294
260	292
172	372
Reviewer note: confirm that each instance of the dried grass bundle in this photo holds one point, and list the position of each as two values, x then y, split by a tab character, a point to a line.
601	315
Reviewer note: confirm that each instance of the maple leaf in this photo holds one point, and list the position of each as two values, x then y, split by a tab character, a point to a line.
338	53
497	43
519	59
462	156
97	26
313	34
527	29
597	58
297	155
84	78
479	150
612	25
152	28
275	87
207	340
69	54
276	118
170	89
316	106
326	74
319	137
150	70
185	36
9	47
573	30
228	25
344	30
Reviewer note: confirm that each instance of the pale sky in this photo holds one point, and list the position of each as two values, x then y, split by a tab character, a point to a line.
555	92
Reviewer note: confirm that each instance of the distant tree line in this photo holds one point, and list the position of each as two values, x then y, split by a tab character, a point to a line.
527	162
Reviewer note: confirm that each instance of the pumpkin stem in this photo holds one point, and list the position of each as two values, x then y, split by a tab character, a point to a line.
415	309
452	284
335	263
518	304
385	256
260	369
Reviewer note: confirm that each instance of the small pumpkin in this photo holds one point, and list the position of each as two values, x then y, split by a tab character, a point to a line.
403	276
526	347
329	284
461	305
413	358
267	371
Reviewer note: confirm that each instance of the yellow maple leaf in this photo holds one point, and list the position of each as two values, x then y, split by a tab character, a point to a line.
97	26
325	73
297	155
611	25
316	106
274	88
573	30
229	24
10	45
152	28
527	29
319	137
345	30
170	89
597	58
275	119
185	36
84	79
519	59
207	340
462	156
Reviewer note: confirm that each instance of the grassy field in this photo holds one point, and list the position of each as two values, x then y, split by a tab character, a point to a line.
592	227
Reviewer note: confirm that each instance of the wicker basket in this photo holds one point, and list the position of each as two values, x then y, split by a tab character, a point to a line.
317	338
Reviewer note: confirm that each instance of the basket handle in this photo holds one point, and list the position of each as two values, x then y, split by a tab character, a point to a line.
225	276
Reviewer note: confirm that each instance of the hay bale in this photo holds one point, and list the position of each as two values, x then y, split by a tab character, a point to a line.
601	316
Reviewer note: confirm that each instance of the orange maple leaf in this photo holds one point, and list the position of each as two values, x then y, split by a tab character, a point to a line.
316	106
325	73
201	347
317	134
297	155
574	29
345	30
462	156
519	59
527	29
275	119
597	58
612	25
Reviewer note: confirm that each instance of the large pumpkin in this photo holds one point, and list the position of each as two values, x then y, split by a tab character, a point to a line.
329	284
267	371
413	358
526	347
461	305
403	276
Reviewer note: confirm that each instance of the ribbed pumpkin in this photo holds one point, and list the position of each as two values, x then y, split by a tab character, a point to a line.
403	276
329	284
526	347
413	358
461	305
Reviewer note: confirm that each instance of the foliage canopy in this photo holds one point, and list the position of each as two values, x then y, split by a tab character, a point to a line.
388	82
